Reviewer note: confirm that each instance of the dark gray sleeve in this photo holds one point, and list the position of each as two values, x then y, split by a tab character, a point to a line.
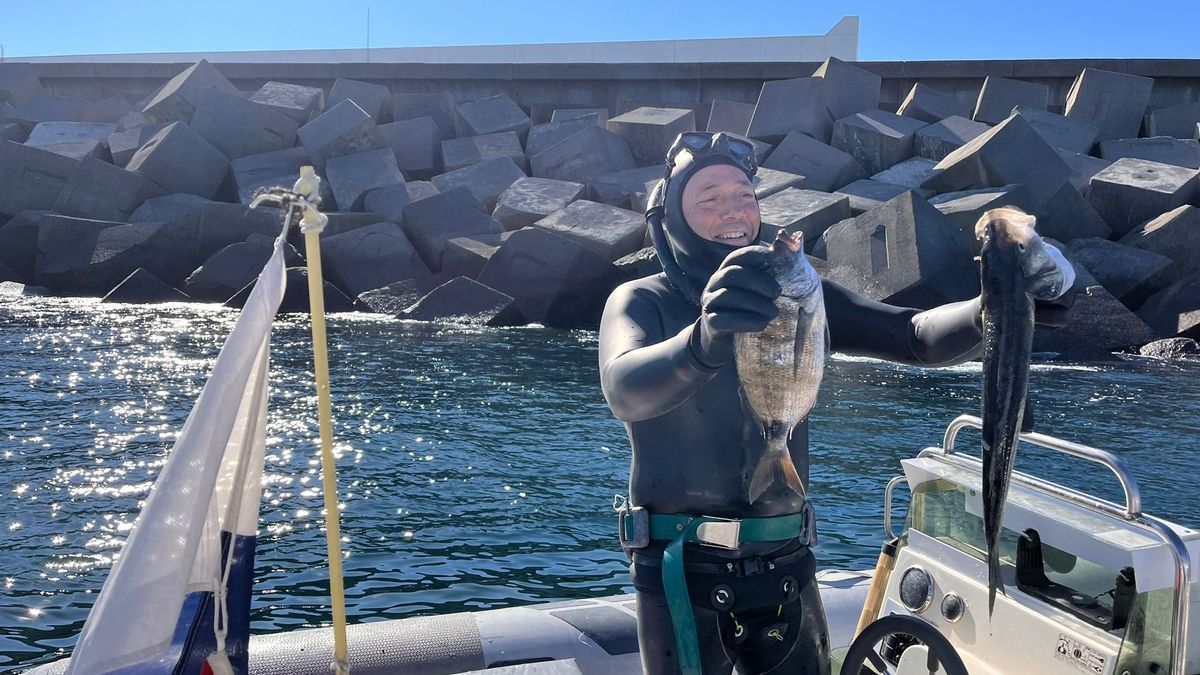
645	373
941	336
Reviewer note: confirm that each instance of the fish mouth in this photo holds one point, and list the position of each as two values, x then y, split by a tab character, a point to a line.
1006	228
792	242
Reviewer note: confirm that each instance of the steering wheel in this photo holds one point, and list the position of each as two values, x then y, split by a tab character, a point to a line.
940	649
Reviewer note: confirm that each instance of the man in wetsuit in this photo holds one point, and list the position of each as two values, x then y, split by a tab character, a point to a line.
714	593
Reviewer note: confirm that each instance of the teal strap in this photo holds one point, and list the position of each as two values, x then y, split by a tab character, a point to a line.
679	603
680	529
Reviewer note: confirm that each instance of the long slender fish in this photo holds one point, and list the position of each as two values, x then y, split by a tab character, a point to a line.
1014	265
780	368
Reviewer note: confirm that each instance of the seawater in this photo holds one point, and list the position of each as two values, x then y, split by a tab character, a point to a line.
477	466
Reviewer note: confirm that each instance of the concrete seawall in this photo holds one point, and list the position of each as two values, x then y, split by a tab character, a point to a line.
618	87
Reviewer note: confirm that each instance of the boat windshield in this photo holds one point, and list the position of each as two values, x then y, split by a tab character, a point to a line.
943	510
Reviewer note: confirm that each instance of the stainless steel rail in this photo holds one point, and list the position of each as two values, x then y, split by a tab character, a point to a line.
1131	512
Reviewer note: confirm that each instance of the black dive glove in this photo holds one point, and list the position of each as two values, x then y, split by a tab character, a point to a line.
739	298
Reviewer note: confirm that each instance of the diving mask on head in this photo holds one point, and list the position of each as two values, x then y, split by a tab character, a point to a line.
687	258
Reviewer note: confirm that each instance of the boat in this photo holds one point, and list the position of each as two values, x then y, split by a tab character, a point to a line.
1091	586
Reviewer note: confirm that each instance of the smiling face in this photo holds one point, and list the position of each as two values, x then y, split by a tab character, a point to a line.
719	205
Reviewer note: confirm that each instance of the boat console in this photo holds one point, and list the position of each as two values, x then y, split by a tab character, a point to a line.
1090	586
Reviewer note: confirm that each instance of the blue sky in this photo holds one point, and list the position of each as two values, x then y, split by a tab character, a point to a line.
892	30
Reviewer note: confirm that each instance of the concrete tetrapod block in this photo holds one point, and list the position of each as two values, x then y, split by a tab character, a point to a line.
910	173
1175	310
179	160
1114	102
101	191
72	139
964	208
458	153
865	194
1062	132
611	232
371	257
387	202
1132	191
824	168
295	297
417	144
271	169
143	288
730	116
904	252
298	102
420	189
492	115
1163	149
486	180
223	224
930	105
806	211
238	127
352	176
47	108
639	264
1179	121
562	114
375	99
528	200
178	99
583	156
20	244
1000	95
107	110
228	270
556	281
1096	324
942	138
434	220
1011	152
876	139
343	129
848	88
398	296
32	178
18	83
467	256
618	188
11	131
1175	234
1130	274
1082	167
439	107
1067	216
791	105
116	251
651	131
770	181
542	136
464	300
122	144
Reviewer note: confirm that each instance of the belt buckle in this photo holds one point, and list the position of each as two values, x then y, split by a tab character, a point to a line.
720	532
640	538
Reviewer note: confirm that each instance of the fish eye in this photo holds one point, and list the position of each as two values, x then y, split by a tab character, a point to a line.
1021	248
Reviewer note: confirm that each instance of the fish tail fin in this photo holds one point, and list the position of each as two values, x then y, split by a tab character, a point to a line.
994	581
777	464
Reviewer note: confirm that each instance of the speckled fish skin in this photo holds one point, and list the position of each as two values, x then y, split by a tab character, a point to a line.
1012	253
780	368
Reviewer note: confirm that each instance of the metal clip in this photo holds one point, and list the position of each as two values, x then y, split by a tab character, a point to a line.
634	517
720	533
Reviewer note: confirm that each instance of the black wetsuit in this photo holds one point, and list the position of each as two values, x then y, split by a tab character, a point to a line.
694	444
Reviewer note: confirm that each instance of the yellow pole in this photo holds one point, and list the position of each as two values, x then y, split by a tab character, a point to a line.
333	536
